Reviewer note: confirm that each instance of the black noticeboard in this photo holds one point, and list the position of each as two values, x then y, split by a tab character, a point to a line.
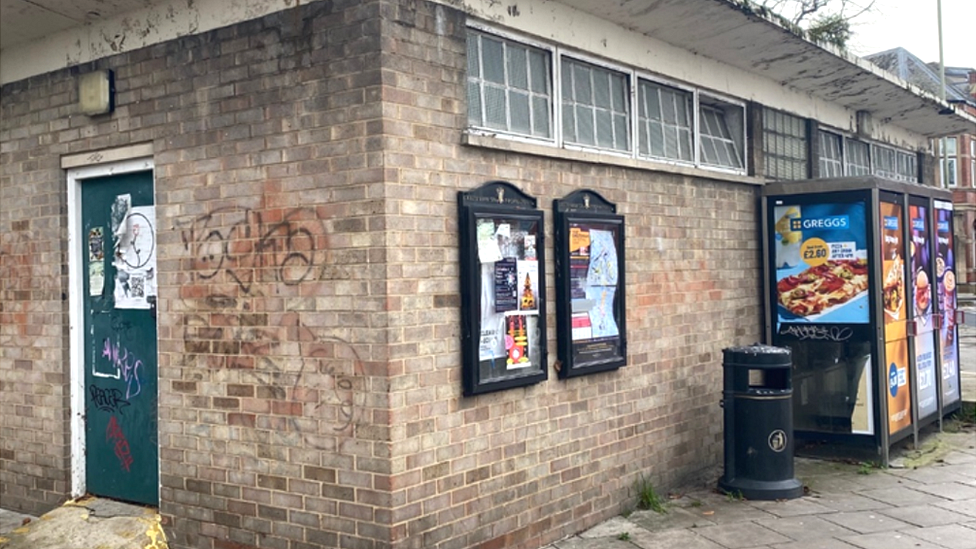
590	285
503	297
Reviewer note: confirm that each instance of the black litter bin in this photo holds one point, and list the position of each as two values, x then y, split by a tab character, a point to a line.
757	398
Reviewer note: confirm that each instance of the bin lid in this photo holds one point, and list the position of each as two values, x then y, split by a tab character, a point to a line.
757	356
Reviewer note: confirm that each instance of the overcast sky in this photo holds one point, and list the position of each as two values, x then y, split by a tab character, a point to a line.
913	25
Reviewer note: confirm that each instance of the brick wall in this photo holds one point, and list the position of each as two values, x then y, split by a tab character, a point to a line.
527	466
272	265
307	167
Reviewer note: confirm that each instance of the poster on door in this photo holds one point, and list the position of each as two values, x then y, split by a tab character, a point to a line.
134	239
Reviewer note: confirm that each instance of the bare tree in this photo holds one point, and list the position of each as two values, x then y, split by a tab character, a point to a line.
824	20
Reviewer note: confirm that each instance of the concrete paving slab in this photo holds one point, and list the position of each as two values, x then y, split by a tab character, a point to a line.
901	496
866	522
610	528
959	457
671	539
878	480
576	542
737	536
792	507
934	474
950	536
954	491
818	544
674	518
925	515
722	510
889	540
849	502
806	528
11	520
965	507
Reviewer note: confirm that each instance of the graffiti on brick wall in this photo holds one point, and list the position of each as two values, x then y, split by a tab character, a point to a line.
249	246
113	433
309	379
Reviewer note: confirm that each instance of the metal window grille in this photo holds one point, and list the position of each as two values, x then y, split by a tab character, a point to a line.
595	109
831	160
857	158
509	86
784	145
719	146
665	122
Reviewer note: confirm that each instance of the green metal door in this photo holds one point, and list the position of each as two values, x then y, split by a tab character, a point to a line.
119	262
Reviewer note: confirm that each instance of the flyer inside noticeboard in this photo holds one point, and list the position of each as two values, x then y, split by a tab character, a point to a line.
820	253
507	251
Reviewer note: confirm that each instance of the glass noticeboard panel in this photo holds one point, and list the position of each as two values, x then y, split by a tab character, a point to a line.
590	285
502	289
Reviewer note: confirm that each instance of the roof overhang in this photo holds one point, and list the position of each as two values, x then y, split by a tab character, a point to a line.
745	36
733	32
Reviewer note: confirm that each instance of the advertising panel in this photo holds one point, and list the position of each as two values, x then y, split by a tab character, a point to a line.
899	393
820	256
893	271
922	308
945	274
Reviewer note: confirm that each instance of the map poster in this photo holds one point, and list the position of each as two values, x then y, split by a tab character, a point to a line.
593	280
899	393
820	255
945	290
893	287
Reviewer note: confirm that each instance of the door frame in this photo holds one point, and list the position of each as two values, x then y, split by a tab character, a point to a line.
76	313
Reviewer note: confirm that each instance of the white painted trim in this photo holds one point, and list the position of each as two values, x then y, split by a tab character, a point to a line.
107	156
76	319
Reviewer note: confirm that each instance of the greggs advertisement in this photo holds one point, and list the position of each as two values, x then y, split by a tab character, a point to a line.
820	255
945	273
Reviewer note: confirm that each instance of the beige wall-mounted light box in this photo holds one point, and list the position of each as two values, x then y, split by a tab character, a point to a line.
96	92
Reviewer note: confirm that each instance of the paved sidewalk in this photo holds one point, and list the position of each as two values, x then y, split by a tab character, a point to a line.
928	503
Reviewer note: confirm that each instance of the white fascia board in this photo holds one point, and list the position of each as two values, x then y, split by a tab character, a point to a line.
159	22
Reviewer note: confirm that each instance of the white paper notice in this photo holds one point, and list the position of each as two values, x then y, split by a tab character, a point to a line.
135	259
488	251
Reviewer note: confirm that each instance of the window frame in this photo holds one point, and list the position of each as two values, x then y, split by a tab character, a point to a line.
841	162
633	77
895	154
767	134
848	157
629	75
553	139
657	81
710	99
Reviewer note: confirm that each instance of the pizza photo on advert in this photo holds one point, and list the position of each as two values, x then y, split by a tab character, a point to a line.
822	276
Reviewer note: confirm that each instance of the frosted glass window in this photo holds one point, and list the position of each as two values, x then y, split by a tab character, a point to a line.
509	86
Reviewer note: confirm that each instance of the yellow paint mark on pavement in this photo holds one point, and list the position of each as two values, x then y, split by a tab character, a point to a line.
155	533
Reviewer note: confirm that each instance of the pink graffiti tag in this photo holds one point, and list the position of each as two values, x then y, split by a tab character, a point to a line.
114	432
126	363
